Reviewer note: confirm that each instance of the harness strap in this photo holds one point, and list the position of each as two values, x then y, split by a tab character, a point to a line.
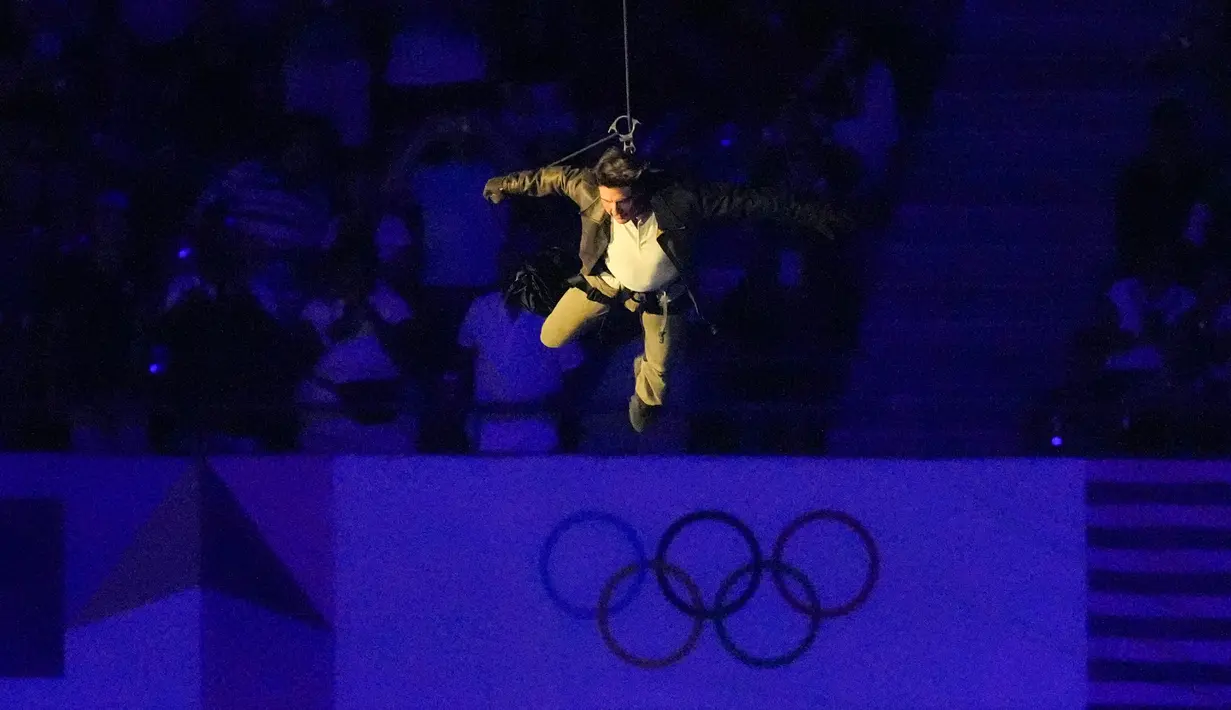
663	298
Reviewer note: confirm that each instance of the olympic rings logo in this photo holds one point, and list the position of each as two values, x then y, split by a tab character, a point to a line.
726	602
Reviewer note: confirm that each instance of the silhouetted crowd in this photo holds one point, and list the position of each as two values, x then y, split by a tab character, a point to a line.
256	226
1152	375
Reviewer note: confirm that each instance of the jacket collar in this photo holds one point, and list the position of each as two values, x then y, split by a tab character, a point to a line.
668	219
594	211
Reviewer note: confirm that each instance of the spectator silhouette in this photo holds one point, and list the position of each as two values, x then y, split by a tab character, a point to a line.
229	375
1157	191
327	74
518	382
461	238
358	396
278	210
80	359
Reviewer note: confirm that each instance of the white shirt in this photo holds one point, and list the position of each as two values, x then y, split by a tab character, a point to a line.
511	363
874	131
428	55
1133	304
461	235
391	236
360	357
636	259
158	21
1199	218
335	90
270	300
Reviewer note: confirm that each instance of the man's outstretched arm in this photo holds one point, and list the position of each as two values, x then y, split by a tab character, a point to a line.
572	183
723	201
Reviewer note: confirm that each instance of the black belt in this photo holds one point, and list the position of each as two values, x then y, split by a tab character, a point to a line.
648	301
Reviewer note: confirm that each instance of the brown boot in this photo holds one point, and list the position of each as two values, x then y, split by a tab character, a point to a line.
640	414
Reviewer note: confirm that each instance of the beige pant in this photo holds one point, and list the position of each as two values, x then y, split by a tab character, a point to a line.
663	335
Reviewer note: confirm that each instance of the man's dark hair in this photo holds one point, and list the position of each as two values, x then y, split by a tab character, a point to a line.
617	169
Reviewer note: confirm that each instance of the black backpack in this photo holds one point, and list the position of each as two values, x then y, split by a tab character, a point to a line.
542	280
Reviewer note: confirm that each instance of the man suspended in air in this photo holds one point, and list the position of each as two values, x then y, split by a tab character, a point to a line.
639	228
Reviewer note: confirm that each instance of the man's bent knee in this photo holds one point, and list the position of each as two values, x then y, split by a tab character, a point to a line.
551	337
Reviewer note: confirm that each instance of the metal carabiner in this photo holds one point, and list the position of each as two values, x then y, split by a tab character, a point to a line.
626	139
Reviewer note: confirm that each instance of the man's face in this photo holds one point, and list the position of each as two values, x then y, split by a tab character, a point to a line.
619	203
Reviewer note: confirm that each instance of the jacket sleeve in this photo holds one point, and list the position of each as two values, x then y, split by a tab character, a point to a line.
570	182
723	201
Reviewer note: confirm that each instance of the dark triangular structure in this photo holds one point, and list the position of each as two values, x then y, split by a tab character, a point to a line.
200	536
238	562
163	559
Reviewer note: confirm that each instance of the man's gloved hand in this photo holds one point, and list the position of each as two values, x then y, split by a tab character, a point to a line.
493	191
